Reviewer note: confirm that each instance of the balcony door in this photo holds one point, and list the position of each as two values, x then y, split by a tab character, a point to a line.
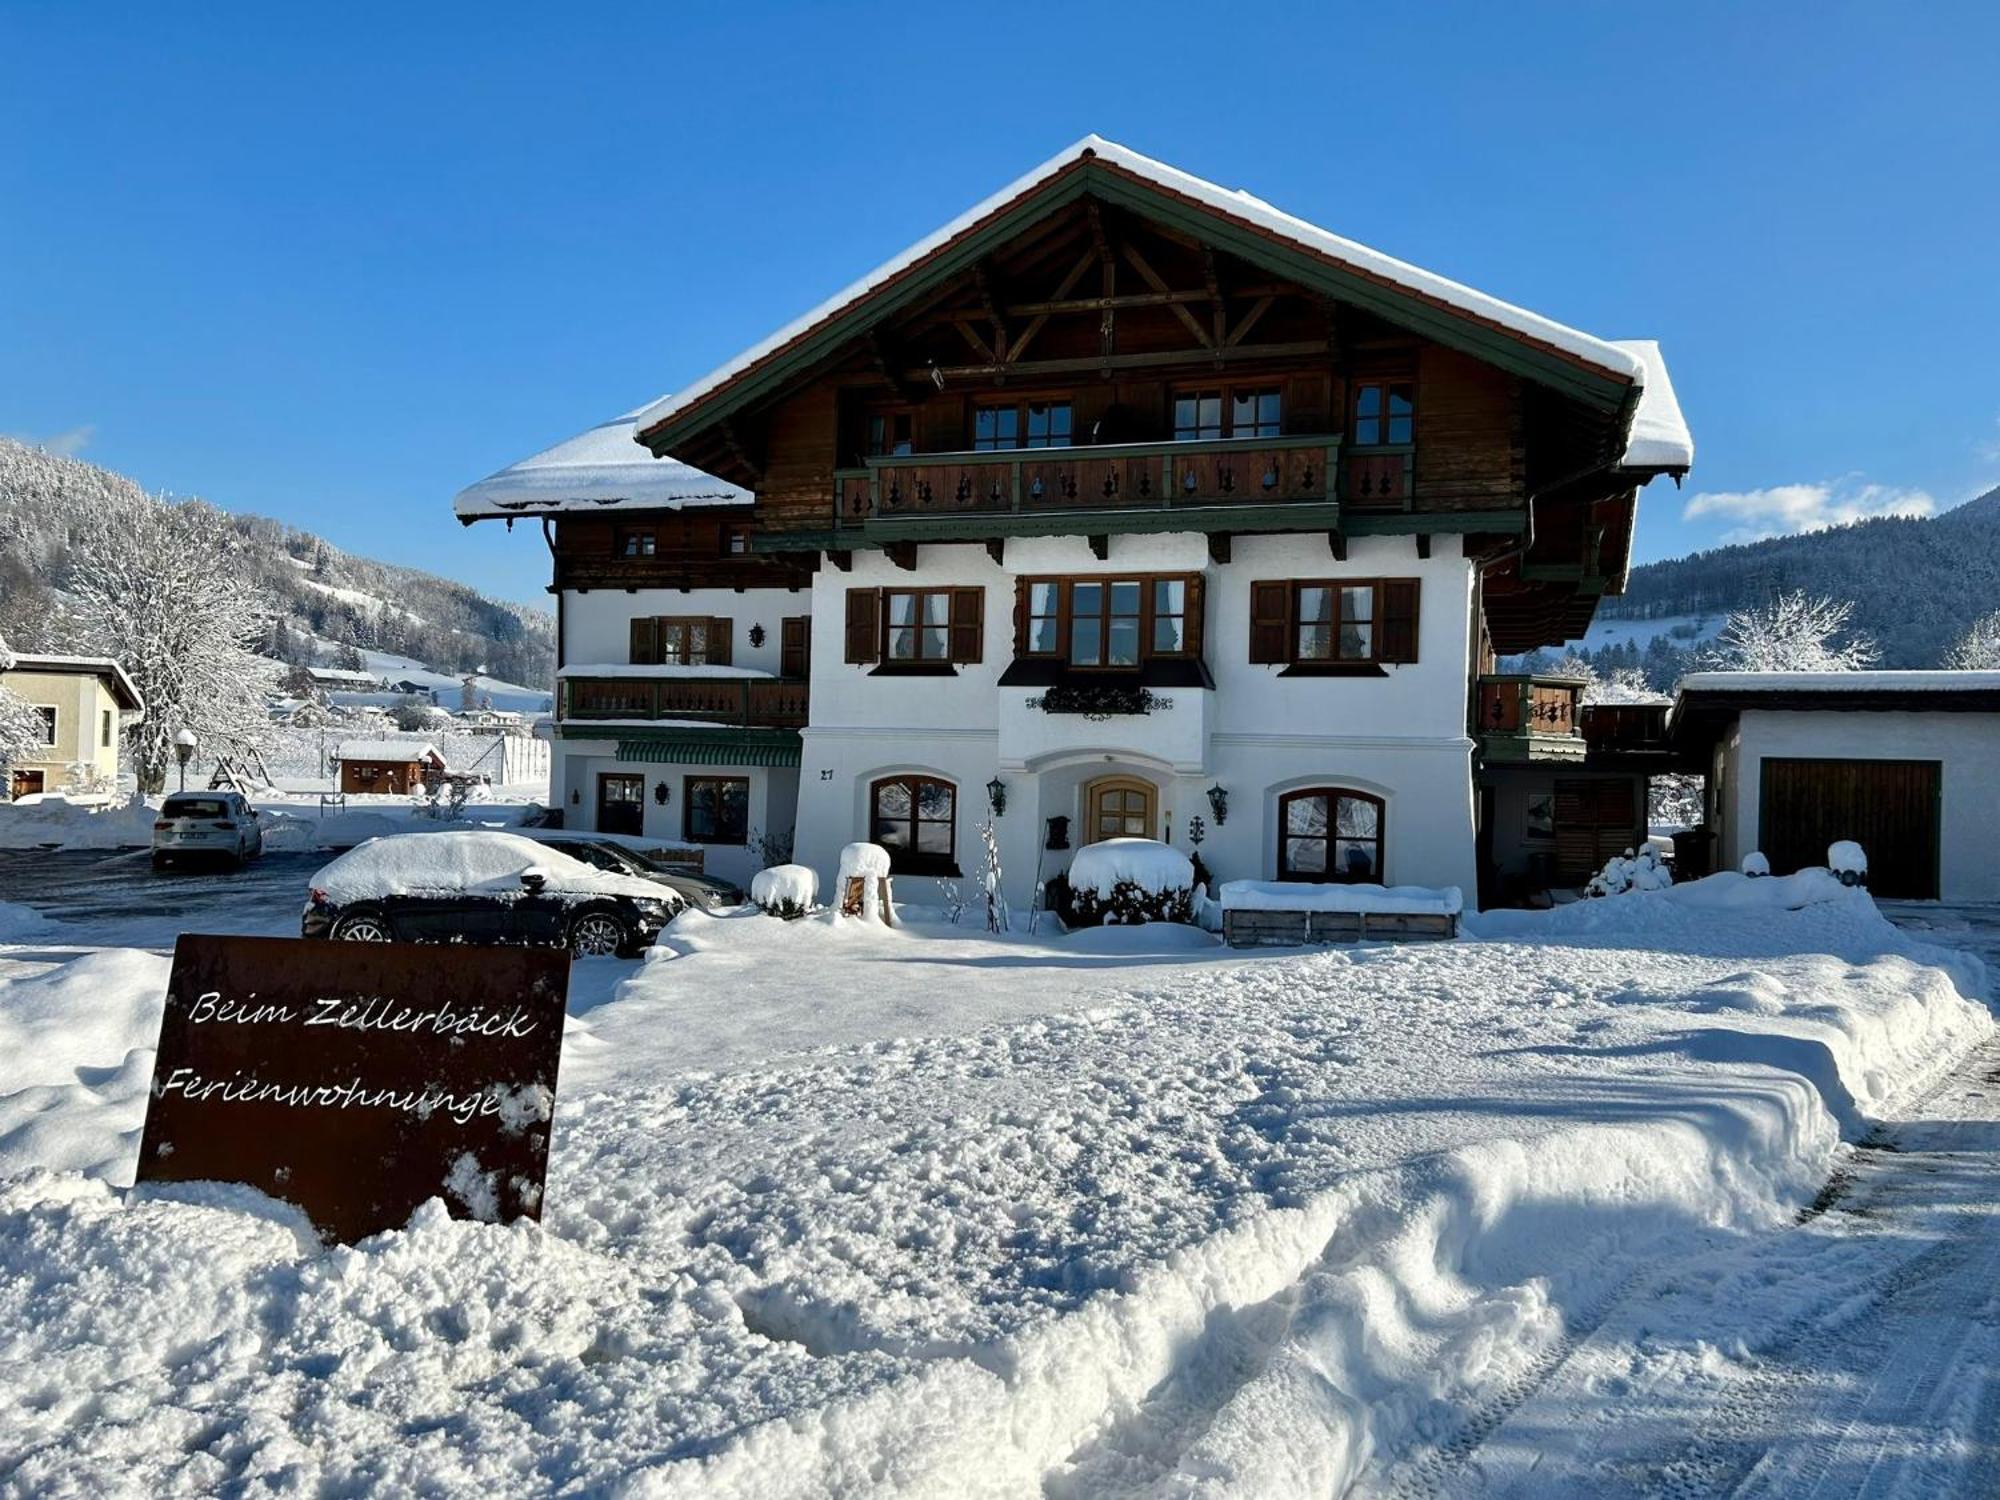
1122	807
621	804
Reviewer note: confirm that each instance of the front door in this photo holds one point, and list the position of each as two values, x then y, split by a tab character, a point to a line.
1122	808
21	783
621	804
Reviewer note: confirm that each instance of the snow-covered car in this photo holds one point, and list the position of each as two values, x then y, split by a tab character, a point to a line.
703	892
470	886
208	824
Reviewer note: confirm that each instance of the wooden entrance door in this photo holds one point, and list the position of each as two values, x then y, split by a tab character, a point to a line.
21	783
1889	807
1122	807
621	803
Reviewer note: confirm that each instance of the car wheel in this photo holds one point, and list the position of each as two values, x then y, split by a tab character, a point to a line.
363	927
160	861
598	934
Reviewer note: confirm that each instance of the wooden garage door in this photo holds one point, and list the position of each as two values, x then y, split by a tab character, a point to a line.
1596	819
1889	807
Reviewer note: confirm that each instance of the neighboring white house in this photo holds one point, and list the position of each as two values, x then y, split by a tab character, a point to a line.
1905	763
85	702
1221	562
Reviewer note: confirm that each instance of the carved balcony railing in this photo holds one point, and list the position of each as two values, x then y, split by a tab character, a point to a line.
743	702
1121	477
1379	478
1524	718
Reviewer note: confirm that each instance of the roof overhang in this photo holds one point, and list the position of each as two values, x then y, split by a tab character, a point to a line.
102	667
1594	371
1707	704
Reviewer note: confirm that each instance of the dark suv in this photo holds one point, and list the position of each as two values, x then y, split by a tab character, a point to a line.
482	887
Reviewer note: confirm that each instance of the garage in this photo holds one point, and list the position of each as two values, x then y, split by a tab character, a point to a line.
1901	762
1890	807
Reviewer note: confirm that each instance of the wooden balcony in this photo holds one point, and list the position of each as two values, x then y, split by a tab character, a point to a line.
1528	718
736	702
1192	486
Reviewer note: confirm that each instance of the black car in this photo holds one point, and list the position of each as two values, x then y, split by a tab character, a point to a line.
701	891
481	887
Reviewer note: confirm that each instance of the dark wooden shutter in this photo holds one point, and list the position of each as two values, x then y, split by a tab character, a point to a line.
1197	601
864	625
795	646
1270	621
721	641
968	624
645	641
1399	619
1020	617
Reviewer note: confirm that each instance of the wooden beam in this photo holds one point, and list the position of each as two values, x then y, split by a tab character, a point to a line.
1219	311
1257	310
738	451
1218	546
979	345
878	353
841	558
1100	545
1423	544
1338	542
1158	283
996	548
1107	321
902	554
1303	349
1063	289
986	299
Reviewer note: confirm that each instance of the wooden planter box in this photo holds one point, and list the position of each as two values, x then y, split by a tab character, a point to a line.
1243	928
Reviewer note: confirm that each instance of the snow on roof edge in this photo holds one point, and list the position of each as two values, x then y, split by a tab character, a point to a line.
30	661
601	468
1886	680
1593	350
1659	438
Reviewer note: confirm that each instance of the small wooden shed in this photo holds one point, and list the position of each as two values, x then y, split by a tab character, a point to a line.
390	767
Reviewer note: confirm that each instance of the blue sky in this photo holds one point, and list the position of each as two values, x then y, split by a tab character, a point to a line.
331	264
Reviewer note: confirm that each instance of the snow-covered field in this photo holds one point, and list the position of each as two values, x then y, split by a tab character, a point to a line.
838	1209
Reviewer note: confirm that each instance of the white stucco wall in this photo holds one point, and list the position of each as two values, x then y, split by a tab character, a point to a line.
1967	745
597	626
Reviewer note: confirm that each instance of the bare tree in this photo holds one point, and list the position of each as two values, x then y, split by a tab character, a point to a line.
163	593
1793	633
1978	650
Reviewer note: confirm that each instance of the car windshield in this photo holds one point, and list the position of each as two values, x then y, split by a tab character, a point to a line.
195	807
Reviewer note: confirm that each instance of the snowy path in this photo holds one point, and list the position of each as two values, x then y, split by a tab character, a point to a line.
1857	1355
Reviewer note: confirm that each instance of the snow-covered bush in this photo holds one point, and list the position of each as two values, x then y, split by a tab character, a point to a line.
1848	860
1755	865
1629	872
787	891
1124	881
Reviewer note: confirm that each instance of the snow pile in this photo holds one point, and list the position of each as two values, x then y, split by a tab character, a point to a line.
1755	865
785	890
453	860
53	821
1848	860
1148	864
1402	900
17	921
857	860
1628	872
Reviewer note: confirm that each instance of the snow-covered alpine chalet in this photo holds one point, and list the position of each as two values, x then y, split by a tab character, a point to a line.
1123	504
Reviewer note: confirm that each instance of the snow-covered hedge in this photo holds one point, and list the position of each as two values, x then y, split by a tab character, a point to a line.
1124	881
787	891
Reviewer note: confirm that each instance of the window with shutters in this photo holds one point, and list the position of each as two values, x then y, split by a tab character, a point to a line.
1110	622
1330	834
915	628
795	647
1333	621
681	641
916	819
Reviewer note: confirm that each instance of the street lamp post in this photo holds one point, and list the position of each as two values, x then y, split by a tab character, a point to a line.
184	743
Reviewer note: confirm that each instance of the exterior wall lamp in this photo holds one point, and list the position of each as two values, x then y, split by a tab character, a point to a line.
1218	803
756	635
575	797
661	793
996	797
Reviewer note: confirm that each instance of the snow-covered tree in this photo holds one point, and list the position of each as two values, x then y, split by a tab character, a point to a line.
164	594
21	729
1795	632
1978	650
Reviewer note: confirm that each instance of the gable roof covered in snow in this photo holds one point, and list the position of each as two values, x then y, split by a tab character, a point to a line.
398	751
598	469
1608	374
110	671
1708	702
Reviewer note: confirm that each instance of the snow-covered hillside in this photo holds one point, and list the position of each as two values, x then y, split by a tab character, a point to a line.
842	1210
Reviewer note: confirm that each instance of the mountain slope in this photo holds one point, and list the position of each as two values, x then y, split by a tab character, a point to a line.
50	505
1915	584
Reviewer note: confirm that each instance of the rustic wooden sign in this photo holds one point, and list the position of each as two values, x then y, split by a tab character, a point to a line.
357	1080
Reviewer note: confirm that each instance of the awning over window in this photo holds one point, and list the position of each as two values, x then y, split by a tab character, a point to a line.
766	748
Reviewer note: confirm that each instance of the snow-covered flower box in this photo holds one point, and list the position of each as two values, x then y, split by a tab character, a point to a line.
787	891
1265	913
1126	881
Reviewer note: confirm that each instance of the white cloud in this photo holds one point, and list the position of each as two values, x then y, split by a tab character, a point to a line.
68	444
1787	509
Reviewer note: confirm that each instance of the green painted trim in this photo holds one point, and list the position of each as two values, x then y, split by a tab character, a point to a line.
1521	749
1435	523
1605	392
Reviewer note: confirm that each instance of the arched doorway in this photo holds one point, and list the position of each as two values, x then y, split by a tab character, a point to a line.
1120	807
